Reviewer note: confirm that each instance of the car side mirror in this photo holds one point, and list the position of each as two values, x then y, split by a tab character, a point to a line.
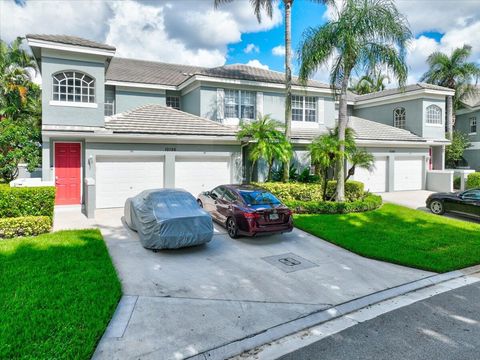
207	193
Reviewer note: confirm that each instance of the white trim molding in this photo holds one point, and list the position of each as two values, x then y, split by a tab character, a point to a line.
140	85
73	104
475	145
403	96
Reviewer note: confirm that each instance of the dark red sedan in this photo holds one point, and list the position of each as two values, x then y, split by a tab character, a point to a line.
246	210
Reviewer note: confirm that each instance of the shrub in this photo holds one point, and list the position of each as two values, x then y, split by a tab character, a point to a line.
369	202
27	201
294	191
354	190
473	180
24	226
311	192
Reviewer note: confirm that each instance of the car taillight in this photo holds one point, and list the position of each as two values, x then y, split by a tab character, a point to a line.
289	212
251	215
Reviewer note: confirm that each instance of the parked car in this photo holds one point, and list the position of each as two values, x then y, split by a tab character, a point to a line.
246	210
168	219
464	202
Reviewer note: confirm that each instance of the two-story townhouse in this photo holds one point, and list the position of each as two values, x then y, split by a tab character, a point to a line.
466	122
113	126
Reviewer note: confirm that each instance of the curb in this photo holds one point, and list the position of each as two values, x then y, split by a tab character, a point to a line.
316	318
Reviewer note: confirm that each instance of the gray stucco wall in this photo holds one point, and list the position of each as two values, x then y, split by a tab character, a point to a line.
415	116
384	114
473	158
53	62
208	102
129	98
462	123
190	102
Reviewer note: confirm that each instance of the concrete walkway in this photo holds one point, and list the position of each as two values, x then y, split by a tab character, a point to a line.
181	303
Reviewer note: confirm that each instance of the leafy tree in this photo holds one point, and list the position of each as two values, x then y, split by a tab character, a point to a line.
268	142
454	72
19	141
362	33
454	151
267	5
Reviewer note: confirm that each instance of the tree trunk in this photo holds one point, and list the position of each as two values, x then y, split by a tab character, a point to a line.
269	174
325	183
449	117
288	82
342	126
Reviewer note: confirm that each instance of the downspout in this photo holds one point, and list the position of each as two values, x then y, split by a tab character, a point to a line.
244	162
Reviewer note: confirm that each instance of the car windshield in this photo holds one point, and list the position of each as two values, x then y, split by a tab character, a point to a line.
258	197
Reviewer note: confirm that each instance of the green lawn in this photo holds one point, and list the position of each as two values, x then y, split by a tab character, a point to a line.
58	292
400	235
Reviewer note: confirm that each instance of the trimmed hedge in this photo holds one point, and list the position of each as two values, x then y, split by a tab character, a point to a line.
473	180
294	191
26	201
369	202
24	226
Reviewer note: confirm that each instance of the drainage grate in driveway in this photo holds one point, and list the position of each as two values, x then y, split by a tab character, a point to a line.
289	262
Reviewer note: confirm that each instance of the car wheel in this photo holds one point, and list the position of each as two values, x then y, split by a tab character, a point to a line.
232	228
199	202
436	206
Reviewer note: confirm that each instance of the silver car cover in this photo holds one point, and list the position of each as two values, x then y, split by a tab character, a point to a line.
168	219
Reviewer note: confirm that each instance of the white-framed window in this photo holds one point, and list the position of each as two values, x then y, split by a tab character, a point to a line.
473	125
173	102
73	86
399	117
239	104
304	108
434	115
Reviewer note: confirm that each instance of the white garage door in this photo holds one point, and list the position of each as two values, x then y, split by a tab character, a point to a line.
408	173
119	178
375	180
197	174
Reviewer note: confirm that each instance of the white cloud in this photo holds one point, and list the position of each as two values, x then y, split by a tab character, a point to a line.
279	50
187	31
251	48
257	64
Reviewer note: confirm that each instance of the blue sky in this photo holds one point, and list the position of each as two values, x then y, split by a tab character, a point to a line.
193	32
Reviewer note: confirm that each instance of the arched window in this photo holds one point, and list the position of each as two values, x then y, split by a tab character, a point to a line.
434	115
399	117
73	86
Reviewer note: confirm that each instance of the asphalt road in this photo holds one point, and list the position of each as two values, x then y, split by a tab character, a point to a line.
446	326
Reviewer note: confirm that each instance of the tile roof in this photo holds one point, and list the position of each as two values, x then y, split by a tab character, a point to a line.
149	72
405	89
70	40
160	73
364	130
157	119
245	72
472	99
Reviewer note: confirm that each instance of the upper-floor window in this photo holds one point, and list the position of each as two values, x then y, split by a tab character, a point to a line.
434	115
239	104
304	108
73	86
173	102
473	125
399	118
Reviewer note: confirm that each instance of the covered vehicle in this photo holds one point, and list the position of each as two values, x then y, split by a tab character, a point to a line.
168	219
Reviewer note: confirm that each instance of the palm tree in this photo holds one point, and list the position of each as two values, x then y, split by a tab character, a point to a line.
267	142
359	158
454	72
363	32
323	153
369	83
15	78
267	5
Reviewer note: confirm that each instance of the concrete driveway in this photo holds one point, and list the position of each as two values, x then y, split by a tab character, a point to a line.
416	200
180	303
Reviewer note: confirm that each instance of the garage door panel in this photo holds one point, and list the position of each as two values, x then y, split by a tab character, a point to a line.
375	180
118	178
408	173
197	174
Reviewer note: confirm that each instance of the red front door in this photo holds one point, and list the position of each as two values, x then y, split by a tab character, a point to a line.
67	173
